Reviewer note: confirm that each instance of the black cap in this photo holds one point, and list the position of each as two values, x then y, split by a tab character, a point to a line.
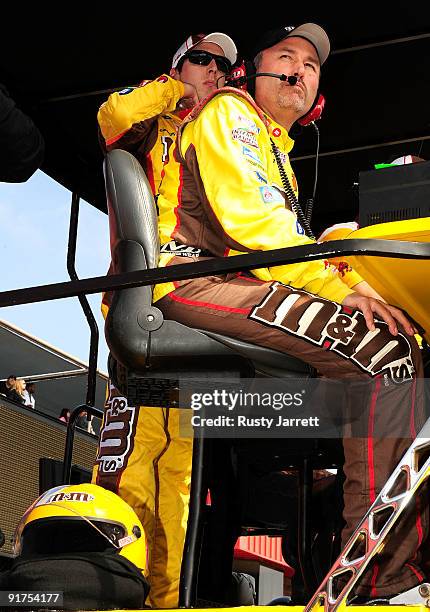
309	31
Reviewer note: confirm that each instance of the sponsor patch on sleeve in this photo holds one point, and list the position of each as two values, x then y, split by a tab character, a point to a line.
261	177
252	157
243	135
249	124
270	195
299	229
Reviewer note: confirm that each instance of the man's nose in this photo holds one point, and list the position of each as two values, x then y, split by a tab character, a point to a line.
212	67
299	69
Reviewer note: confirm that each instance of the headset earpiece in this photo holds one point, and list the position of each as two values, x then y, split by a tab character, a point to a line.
239	77
315	112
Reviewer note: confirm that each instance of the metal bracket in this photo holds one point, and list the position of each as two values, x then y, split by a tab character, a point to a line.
368	538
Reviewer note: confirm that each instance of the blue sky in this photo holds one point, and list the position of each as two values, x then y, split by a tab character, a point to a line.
34	221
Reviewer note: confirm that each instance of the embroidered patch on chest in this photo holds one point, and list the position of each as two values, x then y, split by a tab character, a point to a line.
270	195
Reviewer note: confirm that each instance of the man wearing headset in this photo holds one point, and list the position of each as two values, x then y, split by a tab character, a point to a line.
155	470
236	177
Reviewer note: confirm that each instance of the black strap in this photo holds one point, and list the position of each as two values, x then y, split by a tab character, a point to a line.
295	206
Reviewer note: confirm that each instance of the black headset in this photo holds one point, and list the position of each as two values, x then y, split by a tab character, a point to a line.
244	75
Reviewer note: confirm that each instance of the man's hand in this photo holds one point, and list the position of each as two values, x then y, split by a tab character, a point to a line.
190	98
363	288
390	314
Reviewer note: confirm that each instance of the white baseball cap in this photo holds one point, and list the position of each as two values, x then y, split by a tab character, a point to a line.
222	40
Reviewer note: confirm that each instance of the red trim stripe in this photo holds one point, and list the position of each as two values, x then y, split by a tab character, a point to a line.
418	522
370	429
179	200
150	173
176	298
415	571
371	467
110	141
373	590
251	280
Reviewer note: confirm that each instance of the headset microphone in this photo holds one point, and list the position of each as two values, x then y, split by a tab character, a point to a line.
239	81
292	80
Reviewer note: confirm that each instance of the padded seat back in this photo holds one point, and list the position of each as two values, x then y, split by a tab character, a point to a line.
131	206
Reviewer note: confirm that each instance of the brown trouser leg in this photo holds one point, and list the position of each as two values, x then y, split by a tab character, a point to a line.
337	342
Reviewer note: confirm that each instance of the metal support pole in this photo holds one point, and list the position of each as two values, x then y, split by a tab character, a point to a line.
70	436
94	339
192	545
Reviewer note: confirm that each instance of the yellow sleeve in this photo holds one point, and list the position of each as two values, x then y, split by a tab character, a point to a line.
236	195
349	276
138	105
105	309
340	231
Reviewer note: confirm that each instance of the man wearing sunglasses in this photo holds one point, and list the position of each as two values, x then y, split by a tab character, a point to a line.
237	196
144	121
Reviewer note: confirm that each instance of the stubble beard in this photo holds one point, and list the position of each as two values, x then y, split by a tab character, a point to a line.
294	101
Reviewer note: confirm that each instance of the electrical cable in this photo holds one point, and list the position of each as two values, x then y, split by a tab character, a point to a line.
310	201
295	206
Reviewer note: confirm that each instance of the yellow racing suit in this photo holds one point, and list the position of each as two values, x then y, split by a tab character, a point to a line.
234	136
141	456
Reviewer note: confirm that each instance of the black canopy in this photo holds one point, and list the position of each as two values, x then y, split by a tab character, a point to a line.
376	82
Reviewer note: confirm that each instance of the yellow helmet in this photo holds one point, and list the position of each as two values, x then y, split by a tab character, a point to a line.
81	518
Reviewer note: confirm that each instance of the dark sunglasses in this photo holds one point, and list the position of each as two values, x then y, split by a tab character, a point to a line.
204	58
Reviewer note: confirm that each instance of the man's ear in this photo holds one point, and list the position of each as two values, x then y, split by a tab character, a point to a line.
174	74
